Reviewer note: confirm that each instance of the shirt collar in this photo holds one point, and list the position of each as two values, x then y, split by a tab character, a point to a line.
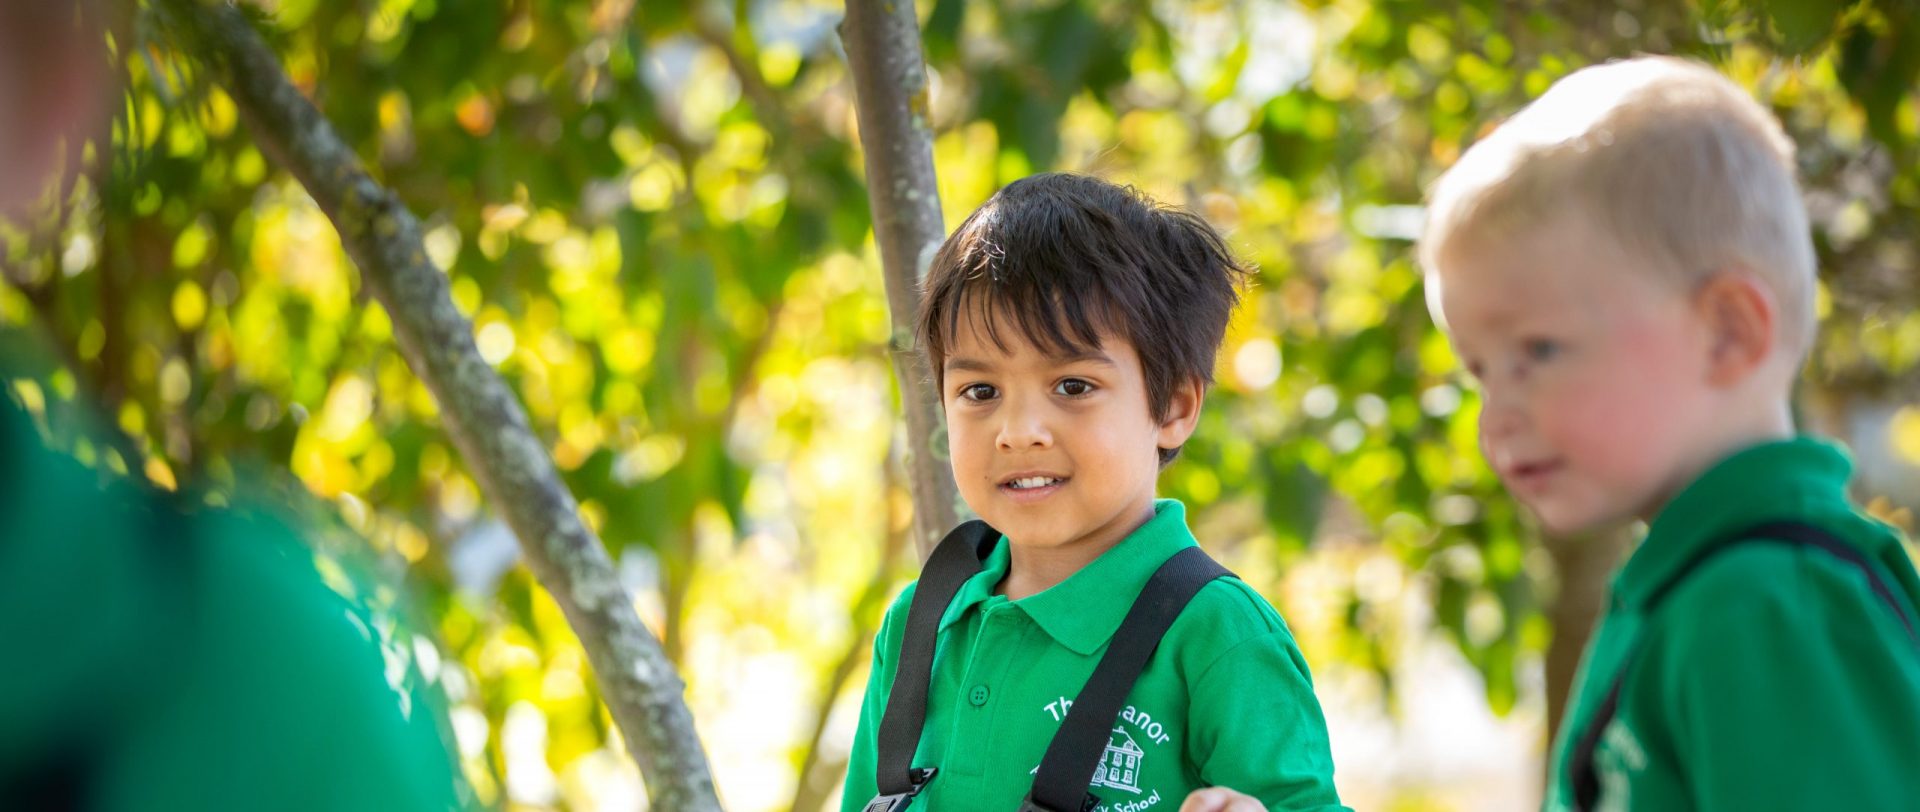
1799	478
1083	611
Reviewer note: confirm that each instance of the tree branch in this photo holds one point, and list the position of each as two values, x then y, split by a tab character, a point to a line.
44	298
1582	565
736	45
882	38
484	419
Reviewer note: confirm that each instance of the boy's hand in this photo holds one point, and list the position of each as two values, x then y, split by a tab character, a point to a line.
1221	799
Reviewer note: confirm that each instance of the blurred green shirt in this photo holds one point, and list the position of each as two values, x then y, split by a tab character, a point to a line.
1225	701
1771	677
161	659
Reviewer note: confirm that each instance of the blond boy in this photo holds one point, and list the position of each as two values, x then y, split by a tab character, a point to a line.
1625	267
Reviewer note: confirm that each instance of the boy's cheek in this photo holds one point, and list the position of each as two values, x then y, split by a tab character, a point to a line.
962	455
1577	420
1613	430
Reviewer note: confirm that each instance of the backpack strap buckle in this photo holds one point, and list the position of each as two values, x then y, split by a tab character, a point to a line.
899	800
1028	804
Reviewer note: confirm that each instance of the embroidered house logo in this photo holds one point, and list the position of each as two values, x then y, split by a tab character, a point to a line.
1120	764
1123	764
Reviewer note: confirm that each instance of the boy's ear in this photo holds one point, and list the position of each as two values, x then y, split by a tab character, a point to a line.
1183	413
1739	312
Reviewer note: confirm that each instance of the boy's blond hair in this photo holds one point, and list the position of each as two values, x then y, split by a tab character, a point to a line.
1666	157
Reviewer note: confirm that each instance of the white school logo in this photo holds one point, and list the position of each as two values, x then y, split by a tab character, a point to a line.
1123	762
1620	757
1120	764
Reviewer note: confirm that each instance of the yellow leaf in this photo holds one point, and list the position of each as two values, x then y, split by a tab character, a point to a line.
189	305
160	474
1905	432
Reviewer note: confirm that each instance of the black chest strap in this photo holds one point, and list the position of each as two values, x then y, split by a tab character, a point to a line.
1060	783
956	559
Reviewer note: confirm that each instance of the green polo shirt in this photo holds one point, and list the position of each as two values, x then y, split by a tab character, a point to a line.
1771	677
1225	701
164	657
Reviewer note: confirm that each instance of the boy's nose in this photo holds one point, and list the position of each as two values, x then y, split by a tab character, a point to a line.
1500	416
1023	429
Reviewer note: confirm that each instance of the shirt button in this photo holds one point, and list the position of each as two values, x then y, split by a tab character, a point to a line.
978	696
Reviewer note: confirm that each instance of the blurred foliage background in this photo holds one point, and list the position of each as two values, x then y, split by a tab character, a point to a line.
654	213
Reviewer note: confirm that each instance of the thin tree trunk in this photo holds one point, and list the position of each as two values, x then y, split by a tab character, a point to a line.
882	38
1584	564
485	421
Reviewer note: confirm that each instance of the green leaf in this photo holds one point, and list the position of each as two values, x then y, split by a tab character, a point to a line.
1802	26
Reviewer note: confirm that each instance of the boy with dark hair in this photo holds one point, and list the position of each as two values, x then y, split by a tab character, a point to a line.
1074	649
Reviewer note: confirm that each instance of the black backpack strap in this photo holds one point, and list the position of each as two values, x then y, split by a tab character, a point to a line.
1586	774
953	562
1808	535
1060	784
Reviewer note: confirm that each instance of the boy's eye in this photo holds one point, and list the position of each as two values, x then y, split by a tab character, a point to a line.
978	392
1542	349
1073	388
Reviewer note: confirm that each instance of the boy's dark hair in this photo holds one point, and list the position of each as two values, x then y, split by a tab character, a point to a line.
1069	257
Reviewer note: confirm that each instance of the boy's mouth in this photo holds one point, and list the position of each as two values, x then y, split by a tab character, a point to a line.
1029	485
1529	476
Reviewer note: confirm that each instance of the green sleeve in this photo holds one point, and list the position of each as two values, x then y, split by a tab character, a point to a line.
1787	698
89	624
1257	728
300	698
176	657
860	784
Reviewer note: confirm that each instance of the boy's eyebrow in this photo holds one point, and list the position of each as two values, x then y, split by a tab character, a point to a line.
1090	355
963	363
1493	315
